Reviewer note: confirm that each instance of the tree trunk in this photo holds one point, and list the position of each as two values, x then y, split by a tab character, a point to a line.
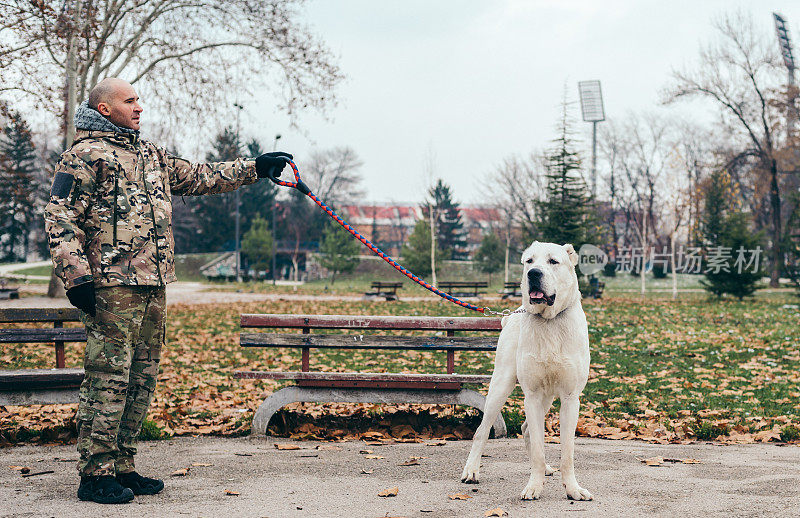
508	246
775	204
672	265
433	247
56	288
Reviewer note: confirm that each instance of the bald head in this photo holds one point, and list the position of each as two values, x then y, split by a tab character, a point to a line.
116	100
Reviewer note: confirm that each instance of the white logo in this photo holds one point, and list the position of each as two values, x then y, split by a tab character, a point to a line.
591	259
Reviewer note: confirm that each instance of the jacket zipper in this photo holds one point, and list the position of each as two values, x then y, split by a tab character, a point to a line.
114	213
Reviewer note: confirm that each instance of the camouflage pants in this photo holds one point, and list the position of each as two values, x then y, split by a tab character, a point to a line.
123	348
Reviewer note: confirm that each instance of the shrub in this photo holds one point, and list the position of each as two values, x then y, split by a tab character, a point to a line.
152	432
790	433
706	431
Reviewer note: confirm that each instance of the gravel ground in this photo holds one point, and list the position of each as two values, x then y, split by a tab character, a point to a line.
748	480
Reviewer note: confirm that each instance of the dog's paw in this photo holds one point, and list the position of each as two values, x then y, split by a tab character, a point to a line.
533	491
469	475
576	492
549	470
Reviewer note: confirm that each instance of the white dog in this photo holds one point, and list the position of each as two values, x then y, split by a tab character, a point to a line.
546	348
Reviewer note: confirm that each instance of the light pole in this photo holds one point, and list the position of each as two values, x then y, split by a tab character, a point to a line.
785	44
239	108
592	110
274	206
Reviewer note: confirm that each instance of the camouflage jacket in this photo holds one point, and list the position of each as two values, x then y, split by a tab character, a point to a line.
109	218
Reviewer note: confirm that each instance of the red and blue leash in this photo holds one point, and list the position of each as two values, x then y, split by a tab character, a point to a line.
303	188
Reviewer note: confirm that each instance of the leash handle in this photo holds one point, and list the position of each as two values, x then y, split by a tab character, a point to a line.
302	187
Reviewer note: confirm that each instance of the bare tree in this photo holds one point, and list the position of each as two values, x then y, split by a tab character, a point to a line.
515	188
334	176
740	73
55	51
183	55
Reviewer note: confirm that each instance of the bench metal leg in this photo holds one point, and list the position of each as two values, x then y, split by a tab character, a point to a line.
296	394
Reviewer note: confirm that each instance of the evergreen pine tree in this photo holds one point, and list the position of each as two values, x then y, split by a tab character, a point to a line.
338	250
725	228
256	198
216	213
17	188
257	244
490	255
416	252
450	234
567	214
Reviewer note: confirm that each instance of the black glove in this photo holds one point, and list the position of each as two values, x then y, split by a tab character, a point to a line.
270	165
82	297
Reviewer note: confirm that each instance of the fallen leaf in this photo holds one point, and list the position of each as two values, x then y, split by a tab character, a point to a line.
367	471
201	464
180	472
495	512
373	457
330	447
410	462
374	443
228	492
437	443
653	461
459	496
287	446
21	469
366	452
389	492
691	461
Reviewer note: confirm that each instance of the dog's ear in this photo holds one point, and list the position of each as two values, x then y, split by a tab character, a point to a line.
573	255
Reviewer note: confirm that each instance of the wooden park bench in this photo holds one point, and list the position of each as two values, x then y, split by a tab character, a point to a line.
463	288
388	290
368	387
7	292
511	289
41	386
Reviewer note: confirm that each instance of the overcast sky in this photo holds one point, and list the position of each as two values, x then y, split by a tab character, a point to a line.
463	84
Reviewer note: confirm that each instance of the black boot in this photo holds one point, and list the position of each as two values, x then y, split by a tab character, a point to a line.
140	485
103	490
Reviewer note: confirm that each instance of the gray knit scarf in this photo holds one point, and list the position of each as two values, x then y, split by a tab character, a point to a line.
89	119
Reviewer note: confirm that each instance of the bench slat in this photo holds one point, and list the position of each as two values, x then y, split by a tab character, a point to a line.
364	376
28	379
39	315
450	343
61	334
371	322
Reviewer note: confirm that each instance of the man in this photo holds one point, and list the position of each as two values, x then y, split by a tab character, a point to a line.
109	226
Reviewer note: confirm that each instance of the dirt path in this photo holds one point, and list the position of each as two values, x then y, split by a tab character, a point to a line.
748	480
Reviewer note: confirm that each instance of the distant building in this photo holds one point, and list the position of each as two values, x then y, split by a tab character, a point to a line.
388	225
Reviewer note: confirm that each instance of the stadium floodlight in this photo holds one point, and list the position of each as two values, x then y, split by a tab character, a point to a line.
591	101
592	111
785	42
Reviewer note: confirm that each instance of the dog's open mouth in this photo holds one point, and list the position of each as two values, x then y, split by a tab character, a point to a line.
538	297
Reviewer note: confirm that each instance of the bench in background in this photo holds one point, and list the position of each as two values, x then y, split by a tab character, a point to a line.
388	290
41	386
368	387
511	289
463	288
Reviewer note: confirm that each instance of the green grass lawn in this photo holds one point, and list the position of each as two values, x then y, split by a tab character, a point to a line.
661	369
